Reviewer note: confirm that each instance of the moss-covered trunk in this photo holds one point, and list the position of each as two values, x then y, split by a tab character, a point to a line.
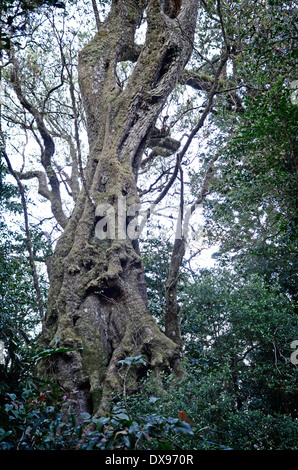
97	299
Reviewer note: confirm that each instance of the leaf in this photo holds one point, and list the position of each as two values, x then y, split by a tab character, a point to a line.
182	415
182	426
153	399
100	423
164	446
134	360
127	442
4	434
121	418
50	351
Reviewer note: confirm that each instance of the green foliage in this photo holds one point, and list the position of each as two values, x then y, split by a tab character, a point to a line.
130	361
47	352
253	215
244	327
19	317
15	17
40	421
240	387
119	431
156	256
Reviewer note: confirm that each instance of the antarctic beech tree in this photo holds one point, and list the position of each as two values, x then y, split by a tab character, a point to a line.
97	305
97	310
97	300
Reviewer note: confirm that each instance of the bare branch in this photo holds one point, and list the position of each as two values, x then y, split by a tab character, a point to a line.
96	14
227	44
43	188
48	147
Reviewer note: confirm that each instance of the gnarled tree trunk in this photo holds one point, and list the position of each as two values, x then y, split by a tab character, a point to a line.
97	299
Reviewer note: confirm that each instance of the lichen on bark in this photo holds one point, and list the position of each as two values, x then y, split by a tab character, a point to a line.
97	300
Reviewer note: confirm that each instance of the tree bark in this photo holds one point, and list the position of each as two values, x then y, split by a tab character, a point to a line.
97	299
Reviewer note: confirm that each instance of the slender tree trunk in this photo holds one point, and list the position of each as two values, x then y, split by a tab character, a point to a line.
97	299
172	318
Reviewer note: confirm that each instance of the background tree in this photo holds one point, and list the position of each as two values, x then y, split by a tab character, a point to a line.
239	390
118	124
19	310
254	212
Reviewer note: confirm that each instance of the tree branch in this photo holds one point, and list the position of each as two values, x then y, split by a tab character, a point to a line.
28	235
48	148
96	14
43	188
